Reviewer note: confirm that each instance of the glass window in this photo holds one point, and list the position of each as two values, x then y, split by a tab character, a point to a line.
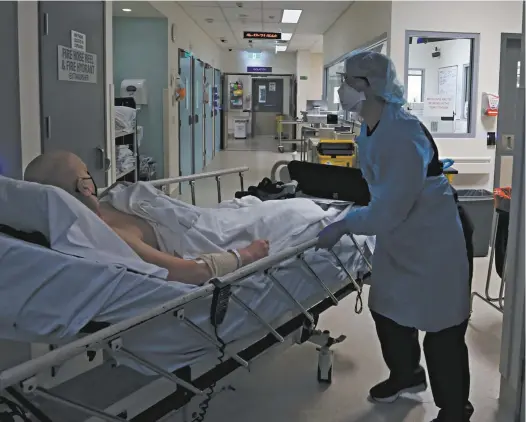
439	81
415	85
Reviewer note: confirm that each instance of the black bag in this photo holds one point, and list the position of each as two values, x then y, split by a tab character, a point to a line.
330	182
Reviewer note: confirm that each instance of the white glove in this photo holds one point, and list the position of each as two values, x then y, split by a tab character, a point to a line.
331	234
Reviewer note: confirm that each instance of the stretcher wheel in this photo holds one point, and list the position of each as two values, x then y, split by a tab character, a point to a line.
281	148
328	377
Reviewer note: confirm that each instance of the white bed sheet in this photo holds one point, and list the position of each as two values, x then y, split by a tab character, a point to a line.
66	292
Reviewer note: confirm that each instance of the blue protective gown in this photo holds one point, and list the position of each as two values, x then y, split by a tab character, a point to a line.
420	265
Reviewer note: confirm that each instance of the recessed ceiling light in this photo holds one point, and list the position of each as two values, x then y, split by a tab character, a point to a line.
286	36
291	16
281	48
126	10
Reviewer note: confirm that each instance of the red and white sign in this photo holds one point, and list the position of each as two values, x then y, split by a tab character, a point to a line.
439	106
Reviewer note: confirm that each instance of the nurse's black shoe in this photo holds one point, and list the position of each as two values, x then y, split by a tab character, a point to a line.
468	412
389	390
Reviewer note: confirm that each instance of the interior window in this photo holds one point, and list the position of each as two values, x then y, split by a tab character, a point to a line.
440	82
415	86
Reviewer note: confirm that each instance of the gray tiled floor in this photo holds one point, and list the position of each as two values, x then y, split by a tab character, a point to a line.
286	388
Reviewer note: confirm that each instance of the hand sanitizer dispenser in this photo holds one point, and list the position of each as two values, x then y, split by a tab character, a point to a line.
135	88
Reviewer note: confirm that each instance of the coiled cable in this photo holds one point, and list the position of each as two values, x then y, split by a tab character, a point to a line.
205	404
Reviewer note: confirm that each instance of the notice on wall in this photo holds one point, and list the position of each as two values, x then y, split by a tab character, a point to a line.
262	97
76	65
272	86
78	41
438	106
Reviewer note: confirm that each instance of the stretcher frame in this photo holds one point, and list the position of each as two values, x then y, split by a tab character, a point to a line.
21	381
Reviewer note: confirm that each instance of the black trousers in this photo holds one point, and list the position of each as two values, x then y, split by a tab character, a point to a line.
447	363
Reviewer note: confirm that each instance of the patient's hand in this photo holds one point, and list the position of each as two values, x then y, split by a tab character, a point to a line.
256	250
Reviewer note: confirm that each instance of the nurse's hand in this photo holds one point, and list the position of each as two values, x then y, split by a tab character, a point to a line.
331	234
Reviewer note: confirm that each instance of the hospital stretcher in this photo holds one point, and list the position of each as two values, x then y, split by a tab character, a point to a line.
301	301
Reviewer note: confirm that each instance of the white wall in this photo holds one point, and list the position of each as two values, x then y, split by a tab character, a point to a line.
310	65
189	37
237	61
483	18
362	23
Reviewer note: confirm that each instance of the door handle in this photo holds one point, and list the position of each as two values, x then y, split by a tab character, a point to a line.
105	161
508	141
190	120
48	127
196	120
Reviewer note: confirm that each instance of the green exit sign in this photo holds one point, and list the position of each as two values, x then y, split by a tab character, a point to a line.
303	78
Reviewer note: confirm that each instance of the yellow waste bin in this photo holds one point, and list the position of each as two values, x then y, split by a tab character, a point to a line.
337	152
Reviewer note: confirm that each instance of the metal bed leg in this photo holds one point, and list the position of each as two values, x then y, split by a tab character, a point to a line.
215	342
241	181
170	377
362	252
292	298
218	182
487	295
192	189
256	316
347	273
309	269
74	405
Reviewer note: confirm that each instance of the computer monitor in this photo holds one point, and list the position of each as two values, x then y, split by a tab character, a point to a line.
322	104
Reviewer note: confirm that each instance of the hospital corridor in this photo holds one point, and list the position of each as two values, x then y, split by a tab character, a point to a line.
289	211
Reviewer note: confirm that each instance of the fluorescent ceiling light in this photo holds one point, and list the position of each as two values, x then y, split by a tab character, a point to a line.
286	36
291	16
281	48
126	10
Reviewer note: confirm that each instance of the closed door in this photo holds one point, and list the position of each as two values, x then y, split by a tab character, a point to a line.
209	115
10	152
72	81
267	102
509	107
218	100
186	115
198	82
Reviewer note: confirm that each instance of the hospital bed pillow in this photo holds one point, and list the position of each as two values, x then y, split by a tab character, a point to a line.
69	225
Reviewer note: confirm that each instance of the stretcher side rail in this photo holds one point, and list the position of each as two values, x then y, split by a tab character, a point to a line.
161	183
100	339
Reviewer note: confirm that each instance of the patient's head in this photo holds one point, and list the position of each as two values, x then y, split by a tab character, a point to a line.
66	171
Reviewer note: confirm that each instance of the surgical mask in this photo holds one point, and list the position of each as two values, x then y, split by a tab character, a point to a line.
84	181
351	99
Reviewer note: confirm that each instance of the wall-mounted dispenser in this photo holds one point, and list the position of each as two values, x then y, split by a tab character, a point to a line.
135	88
490	104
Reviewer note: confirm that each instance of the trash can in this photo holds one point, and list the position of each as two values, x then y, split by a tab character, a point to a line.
478	204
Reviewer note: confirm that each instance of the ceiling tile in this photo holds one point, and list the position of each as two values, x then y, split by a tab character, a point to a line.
200	14
248	15
246	4
272	15
280	27
199	3
247	26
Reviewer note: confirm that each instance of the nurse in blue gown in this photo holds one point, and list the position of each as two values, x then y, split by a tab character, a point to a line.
420	279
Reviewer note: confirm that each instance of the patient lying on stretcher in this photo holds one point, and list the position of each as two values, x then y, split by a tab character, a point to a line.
67	171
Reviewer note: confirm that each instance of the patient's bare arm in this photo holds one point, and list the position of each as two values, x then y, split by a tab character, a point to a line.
183	270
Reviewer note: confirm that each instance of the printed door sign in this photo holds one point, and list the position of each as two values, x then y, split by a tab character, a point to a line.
78	41
76	66
272	86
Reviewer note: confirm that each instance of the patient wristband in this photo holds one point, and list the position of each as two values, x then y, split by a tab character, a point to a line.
220	264
238	256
